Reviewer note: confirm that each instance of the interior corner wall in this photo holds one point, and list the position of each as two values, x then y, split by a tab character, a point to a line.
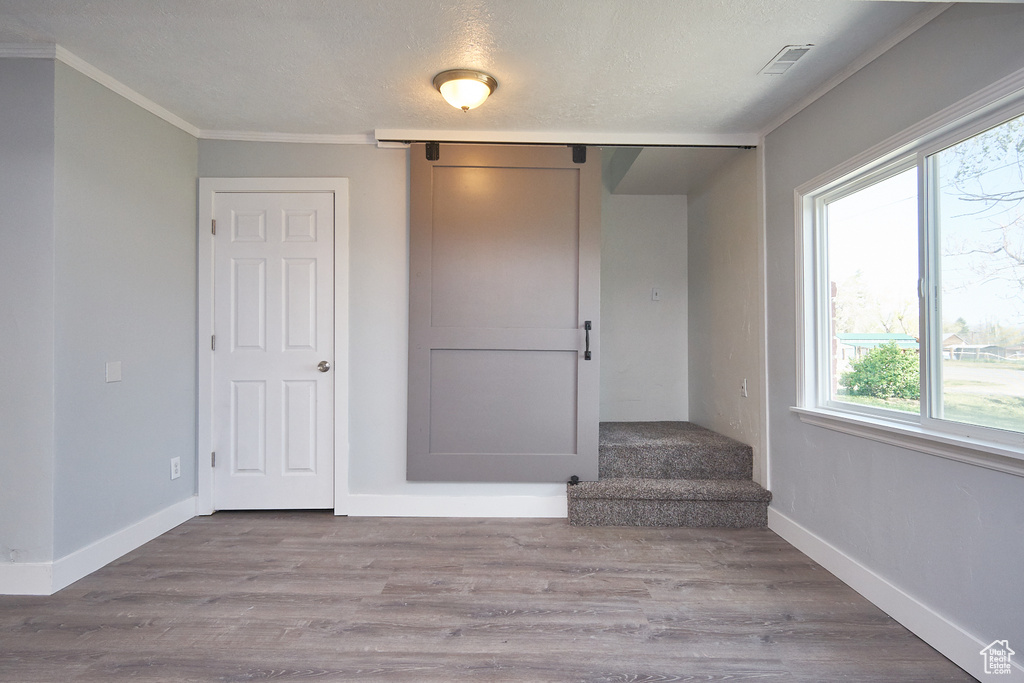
945	533
26	316
725	303
125	253
644	343
378	314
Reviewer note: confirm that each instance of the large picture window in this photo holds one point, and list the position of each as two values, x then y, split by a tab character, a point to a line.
914	285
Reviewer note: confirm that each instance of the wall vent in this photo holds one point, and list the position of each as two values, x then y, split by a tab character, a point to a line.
786	58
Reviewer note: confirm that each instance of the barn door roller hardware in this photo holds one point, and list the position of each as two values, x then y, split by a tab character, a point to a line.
579	152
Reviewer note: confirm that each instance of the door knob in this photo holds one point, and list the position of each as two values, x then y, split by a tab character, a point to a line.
323	366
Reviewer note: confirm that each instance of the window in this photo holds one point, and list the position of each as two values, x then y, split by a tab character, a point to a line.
870	236
977	219
913	287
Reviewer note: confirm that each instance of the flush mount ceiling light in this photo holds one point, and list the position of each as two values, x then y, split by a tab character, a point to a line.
464	89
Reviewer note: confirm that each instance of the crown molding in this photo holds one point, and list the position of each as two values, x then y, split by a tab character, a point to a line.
381	137
902	32
61	54
104	79
991	98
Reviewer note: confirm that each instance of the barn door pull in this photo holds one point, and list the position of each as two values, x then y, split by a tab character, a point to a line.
586	353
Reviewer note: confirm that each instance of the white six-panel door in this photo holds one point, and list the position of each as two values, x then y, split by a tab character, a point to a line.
273	313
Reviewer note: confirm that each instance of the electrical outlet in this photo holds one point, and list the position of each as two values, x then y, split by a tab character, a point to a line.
175	468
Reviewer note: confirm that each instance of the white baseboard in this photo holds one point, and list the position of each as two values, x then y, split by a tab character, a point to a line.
372	505
26	578
46	578
953	642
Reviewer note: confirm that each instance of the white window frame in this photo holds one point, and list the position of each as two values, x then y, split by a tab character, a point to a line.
991	448
823	327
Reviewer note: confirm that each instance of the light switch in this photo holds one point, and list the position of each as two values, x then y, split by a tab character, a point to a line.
114	371
655	294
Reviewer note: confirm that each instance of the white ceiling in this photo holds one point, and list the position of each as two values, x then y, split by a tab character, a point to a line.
348	67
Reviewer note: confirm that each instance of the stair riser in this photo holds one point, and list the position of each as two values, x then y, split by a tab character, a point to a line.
618	464
672	513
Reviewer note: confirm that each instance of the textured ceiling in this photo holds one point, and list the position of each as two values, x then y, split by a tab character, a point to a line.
343	67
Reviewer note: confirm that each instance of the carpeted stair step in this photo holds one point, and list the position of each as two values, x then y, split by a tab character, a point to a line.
668	502
670	450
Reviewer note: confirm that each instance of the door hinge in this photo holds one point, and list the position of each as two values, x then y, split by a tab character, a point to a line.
213	226
213	458
213	342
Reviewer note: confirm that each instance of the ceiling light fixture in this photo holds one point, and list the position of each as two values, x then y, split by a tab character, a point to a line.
464	89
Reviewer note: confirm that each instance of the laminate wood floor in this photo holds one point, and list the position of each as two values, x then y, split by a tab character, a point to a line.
306	595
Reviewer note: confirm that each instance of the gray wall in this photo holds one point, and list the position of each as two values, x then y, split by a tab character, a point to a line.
725	304
378	299
379	306
124	211
26	315
644	342
947	533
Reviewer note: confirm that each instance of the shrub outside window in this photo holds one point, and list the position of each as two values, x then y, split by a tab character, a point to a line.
871	244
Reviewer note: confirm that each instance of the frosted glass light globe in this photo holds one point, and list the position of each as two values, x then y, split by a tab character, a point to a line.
464	89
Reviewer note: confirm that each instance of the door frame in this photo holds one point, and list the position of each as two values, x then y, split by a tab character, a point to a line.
208	188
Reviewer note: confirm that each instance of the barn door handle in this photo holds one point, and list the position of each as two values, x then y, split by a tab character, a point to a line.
586	352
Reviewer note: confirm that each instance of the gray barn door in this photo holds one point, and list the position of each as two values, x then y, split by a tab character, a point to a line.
504	274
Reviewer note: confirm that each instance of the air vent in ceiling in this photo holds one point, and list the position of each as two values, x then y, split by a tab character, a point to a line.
786	58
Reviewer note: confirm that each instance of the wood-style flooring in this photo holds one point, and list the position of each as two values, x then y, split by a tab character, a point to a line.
309	596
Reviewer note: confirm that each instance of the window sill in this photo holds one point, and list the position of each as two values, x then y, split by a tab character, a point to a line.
993	456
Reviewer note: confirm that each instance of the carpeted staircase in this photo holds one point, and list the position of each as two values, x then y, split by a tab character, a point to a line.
669	474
